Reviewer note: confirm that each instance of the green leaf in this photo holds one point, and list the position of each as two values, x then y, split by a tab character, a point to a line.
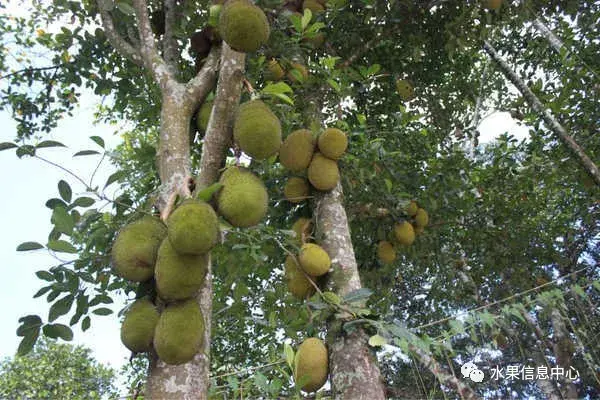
125	8
83	202
62	246
54	202
102	311
206	193
49	143
285	98
27	246
275	88
65	191
63	221
86	153
377	340
85	324
60	307
98	140
288	351
579	291
7	145
55	331
29	323
296	22
27	343
306	18
358	295
42	291
114	177
25	150
332	298
45	275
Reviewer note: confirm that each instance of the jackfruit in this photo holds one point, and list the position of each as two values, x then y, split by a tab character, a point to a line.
274	71
297	150
323	173
296	190
333	143
404	233
300	75
137	330
179	333
386	252
243	200
302	228
134	250
297	282
257	130
313	5
411	209
418	229
314	260
178	276
421	218
492	4
193	228
311	365
243	26
203	115
405	89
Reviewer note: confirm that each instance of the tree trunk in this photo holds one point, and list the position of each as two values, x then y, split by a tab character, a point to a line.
353	368
555	42
548	118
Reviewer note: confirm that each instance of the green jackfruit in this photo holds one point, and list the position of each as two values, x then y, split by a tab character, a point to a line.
274	71
297	150
300	75
297	282
296	190
411	209
257	130
421	218
386	252
134	250
178	276
333	143
405	89
179	333
404	233
243	26
137	330
243	200
193	227
311	365
418	229
314	260
203	115
302	228
323	173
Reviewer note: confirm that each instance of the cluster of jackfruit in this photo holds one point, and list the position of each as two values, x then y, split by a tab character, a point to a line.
176	257
311	365
295	71
313	160
404	233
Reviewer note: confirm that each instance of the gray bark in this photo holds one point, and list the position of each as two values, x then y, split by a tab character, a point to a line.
563	351
353	368
548	118
555	42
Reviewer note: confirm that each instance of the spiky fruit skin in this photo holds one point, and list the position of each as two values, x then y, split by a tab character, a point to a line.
314	260
178	276
311	364
296	190
134	250
313	5
257	130
297	150
421	218
274	71
193	228
243	26
323	173
333	143
137	330
243	200
405	89
179	333
411	209
302	228
298	284
301	69
203	116
404	233
492	4
386	252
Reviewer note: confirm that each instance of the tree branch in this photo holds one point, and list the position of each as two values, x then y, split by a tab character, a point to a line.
170	48
199	87
116	40
548	118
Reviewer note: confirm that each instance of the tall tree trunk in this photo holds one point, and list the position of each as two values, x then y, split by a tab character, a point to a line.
555	42
548	118
353	367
